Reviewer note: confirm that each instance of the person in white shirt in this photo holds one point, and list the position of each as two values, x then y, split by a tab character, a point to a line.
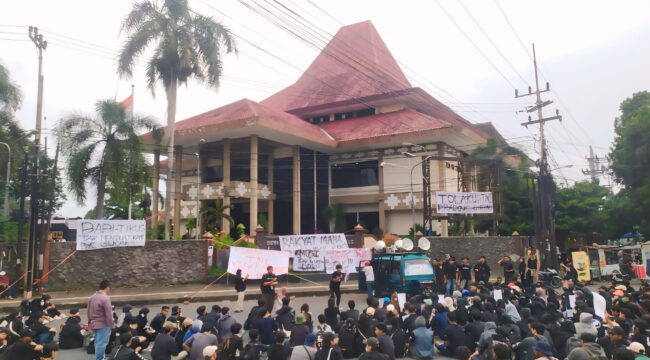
370	278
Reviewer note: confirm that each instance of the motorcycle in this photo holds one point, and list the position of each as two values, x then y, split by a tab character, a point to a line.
550	277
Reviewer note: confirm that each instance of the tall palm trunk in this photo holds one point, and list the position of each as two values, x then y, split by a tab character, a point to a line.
169	140
101	191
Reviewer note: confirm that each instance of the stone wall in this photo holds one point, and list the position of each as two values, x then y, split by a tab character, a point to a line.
158	263
492	247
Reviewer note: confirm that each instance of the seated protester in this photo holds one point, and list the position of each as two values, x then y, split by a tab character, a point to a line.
641	334
343	318
588	349
400	340
277	350
210	352
304	310
72	335
266	327
164	347
352	313
214	315
483	349
543	350
177	312
158	320
421	340
566	332
408	323
474	329
142	321
125	350
224	323
614	340
254	347
329	349
322	326
232	344
440	322
386	345
126	313
299	331
42	333
372	350
24	309
586	325
285	315
306	351
367	322
639	351
623	354
463	353
461	310
185	326
348	339
380	313
195	329
50	351
331	313
195	345
45	305
252	314
454	337
524	349
24	348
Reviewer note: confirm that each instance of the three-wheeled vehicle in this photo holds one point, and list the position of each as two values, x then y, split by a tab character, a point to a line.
403	272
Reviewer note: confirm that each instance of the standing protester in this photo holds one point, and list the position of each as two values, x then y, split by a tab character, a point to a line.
482	271
532	267
100	317
508	269
439	276
570	271
370	278
451	273
335	284
465	274
240	287
269	281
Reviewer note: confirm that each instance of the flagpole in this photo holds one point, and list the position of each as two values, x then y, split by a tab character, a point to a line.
132	117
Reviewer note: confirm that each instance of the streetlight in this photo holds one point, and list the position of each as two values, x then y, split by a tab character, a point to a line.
5	210
198	186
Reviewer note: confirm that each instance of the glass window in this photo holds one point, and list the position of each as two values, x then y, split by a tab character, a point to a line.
417	267
365	173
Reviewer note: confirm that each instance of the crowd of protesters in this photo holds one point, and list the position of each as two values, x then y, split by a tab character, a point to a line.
473	318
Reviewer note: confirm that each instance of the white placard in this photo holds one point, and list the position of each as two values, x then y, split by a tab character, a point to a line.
348	258
464	202
572	301
401	300
599	305
292	243
102	234
441	298
253	262
497	294
308	260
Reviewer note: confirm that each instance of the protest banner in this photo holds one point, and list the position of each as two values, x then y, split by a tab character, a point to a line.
292	243
253	262
102	234
464	202
348	258
308	260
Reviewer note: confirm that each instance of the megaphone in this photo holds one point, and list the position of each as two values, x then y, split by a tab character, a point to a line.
424	244
407	244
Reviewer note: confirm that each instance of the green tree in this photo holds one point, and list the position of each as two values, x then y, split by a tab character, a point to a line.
186	45
10	95
212	214
630	163
95	148
579	212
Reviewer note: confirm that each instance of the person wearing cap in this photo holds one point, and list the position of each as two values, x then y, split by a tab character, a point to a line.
305	351
329	349
367	322
125	350
195	345
639	351
25	348
369	274
100	317
543	350
179	337
299	331
386	344
422	340
615	339
372	350
164	347
210	352
72	335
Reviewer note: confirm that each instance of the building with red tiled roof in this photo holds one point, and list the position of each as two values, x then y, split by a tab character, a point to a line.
341	144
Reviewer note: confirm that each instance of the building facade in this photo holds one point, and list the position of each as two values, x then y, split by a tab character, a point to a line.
343	145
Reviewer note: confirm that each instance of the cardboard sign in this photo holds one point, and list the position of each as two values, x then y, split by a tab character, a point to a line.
292	243
581	263
348	258
102	234
464	202
253	262
308	260
599	305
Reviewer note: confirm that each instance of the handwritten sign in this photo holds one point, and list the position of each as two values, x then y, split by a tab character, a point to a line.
253	262
464	202
292	243
102	234
348	258
308	260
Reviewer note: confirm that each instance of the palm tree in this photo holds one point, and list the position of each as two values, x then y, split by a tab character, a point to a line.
10	94
212	215
186	45
95	148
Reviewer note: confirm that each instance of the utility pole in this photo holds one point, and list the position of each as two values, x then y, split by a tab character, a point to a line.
545	180
21	220
41	45
597	166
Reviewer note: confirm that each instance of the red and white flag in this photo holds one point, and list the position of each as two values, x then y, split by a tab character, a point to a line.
127	103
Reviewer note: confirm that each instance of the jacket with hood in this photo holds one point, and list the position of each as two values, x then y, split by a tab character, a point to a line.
284	317
223	326
586	352
70	336
586	325
196	328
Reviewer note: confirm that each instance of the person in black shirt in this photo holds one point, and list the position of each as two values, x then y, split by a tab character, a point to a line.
532	265
164	347
23	349
335	284
269	281
450	269
482	271
158	320
240	287
440	276
508	269
454	337
465	274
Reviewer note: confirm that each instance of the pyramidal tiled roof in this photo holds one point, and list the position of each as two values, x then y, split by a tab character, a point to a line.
355	63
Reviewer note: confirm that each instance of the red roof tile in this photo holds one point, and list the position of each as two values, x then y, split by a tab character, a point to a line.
407	121
354	64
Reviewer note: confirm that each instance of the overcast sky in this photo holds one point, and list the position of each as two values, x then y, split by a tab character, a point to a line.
594	54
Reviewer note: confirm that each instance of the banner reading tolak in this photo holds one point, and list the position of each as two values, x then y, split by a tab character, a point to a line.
253	262
102	234
292	243
464	202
